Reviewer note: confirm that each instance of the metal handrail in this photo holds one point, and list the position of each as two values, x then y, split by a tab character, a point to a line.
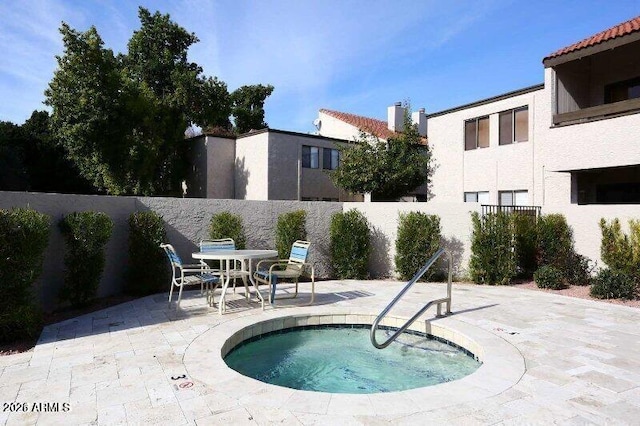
413	280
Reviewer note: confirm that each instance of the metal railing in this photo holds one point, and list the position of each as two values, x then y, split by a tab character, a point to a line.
411	282
527	210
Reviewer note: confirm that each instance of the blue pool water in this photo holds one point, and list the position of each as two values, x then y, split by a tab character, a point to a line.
343	360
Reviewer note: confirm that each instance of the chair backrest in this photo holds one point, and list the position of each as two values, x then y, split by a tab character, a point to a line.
298	255
214	245
172	255
174	260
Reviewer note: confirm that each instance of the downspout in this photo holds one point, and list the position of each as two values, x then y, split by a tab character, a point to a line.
299	172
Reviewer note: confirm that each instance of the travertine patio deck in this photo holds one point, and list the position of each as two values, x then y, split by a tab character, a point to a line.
580	364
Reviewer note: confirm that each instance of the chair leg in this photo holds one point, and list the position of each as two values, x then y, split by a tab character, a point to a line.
179	296
171	292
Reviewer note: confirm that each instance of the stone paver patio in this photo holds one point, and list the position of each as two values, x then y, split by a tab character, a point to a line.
571	361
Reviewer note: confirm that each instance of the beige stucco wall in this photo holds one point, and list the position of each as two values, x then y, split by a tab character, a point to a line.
584	221
493	169
221	154
251	167
455	223
286	171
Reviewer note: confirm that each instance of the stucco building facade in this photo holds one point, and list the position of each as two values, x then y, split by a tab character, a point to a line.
267	164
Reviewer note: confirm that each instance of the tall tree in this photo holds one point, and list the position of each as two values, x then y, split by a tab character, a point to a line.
248	107
13	173
122	119
86	95
387	170
48	168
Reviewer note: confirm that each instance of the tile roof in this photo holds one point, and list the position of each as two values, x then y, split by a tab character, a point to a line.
372	126
620	30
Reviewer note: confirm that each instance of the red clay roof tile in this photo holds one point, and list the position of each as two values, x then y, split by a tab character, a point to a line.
620	30
372	126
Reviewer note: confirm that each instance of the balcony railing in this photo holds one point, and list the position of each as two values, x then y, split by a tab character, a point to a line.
526	210
595	112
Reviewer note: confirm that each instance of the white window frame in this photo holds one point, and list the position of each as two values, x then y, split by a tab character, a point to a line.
481	197
514	196
513	125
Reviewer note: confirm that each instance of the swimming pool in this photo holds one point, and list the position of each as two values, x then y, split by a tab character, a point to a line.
339	358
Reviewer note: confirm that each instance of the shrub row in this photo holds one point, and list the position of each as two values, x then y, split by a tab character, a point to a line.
418	239
492	248
621	253
506	245
24	236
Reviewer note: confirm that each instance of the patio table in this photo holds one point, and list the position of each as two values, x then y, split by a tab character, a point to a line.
227	257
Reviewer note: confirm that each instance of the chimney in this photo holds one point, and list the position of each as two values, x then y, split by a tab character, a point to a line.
395	117
419	118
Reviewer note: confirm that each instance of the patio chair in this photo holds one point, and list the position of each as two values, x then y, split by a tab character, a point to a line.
223	244
188	274
289	269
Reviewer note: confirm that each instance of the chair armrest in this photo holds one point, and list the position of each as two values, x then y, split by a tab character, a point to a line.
270	261
279	263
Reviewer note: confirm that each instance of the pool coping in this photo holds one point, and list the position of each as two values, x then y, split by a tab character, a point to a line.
502	365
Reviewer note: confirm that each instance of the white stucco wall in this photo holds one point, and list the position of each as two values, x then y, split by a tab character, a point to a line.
495	168
609	142
331	127
455	223
252	167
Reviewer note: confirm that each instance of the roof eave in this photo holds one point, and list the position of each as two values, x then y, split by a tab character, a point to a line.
553	61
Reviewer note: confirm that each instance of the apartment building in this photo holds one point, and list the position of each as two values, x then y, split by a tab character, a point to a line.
573	140
267	164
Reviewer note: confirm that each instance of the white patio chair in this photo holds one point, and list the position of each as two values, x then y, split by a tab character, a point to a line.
188	274
287	269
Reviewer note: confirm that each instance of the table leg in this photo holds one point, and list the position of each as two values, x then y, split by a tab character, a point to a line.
221	306
253	283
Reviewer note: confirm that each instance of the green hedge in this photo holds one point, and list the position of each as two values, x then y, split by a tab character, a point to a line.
24	236
148	272
619	251
228	225
86	234
418	239
525	239
555	241
549	276
492	254
290	228
611	284
350	244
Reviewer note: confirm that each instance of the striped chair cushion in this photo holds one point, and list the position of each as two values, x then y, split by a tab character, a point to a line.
299	254
208	247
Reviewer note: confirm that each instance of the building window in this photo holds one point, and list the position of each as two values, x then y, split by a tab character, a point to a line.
476	133
310	157
514	126
330	158
481	197
514	198
622	90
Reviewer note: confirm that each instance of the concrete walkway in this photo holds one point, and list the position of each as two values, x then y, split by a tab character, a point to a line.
126	364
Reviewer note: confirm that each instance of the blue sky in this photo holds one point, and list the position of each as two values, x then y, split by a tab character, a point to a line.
352	56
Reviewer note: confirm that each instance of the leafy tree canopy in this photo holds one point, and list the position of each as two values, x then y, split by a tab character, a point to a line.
121	119
248	107
389	169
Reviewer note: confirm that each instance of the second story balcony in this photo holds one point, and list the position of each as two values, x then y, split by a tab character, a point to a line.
596	82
